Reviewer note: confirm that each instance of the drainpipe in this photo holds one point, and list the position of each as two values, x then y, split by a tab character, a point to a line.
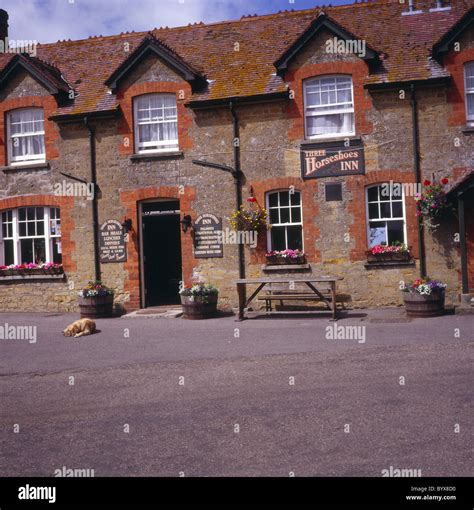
237	182
417	168
95	208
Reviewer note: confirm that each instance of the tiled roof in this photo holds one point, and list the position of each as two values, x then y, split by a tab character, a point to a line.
210	49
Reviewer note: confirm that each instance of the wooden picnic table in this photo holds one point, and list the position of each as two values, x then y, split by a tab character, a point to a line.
308	280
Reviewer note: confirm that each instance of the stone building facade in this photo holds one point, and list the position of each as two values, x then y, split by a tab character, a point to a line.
408	111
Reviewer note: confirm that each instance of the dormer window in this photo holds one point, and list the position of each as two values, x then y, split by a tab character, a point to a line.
329	107
156	123
25	132
469	88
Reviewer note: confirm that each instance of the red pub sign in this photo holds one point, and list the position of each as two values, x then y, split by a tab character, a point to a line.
332	159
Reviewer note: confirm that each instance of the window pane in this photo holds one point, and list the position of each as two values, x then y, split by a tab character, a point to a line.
278	238
57	257
295	215
39	251
373	211
274	216
295	198
273	199
285	215
397	208
26	250
385	210
395	232
284	198
377	233
31	228
22	229
8	246
22	214
31	213
295	237
40	228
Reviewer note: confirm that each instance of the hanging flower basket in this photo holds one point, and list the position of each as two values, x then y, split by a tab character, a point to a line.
424	298
249	218
432	204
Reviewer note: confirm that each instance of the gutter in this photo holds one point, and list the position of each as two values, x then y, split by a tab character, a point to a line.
431	82
259	98
417	170
79	117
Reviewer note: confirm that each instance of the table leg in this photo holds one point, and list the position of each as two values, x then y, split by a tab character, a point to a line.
333	295
241	293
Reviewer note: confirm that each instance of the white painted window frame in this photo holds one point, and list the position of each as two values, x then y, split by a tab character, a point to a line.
381	220
141	148
310	81
290	224
469	66
24	160
48	237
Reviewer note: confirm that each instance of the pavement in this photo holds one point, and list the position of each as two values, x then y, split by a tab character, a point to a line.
263	397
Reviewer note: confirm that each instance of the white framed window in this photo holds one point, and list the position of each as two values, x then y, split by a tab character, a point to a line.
385	215
25	133
469	88
156	123
30	235
328	106
286	220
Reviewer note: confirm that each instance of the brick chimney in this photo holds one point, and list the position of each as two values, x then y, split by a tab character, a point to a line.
3	24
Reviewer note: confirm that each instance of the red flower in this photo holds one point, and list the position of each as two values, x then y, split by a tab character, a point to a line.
444	181
426	182
251	199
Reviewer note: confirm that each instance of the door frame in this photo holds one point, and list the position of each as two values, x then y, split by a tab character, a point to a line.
140	237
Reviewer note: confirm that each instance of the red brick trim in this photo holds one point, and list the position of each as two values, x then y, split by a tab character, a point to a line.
183	92
357	209
49	105
454	63
130	200
362	101
68	225
310	210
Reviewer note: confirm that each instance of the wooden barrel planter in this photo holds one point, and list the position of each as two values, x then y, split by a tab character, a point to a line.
420	305
96	307
196	308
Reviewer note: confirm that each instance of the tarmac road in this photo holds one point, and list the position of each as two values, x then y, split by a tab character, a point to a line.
160	397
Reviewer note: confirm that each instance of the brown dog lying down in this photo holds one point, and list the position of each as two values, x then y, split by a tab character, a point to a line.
81	327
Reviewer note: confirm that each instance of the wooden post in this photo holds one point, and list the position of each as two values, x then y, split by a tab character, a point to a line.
462	240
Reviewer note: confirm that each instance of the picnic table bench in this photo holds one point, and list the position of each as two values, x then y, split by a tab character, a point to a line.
289	294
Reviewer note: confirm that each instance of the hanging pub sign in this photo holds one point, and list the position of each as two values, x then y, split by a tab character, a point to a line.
112	242
332	159
207	235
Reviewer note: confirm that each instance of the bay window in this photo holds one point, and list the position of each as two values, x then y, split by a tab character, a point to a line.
25	134
328	106
30	235
156	123
385	216
285	218
469	88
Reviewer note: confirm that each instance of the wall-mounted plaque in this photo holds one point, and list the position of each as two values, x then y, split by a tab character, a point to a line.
331	159
207	237
112	242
